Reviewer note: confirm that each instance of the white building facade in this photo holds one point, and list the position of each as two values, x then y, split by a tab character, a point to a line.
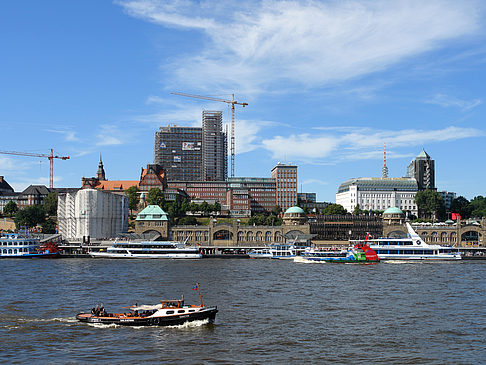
378	194
92	213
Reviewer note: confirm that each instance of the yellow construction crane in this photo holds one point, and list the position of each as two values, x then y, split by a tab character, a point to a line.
233	102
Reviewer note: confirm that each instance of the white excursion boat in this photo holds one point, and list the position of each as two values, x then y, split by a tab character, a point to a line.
410	248
283	251
149	250
274	251
16	245
260	253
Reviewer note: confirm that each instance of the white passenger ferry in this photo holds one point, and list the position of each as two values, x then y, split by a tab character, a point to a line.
149	250
260	253
281	251
410	248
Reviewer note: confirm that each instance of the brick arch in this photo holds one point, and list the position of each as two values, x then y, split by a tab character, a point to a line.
153	232
467	237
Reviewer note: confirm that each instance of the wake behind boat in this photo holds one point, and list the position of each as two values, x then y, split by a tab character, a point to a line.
410	248
149	250
167	313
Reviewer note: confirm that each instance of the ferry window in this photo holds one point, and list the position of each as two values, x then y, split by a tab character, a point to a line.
181	311
169	312
192	310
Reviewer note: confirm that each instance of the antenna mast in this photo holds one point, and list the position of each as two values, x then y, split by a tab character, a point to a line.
384	170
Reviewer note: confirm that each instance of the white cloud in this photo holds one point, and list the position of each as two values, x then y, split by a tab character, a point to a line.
110	135
257	44
450	101
364	143
69	136
303	146
314	182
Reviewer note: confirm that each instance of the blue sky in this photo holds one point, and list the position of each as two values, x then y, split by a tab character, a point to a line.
327	83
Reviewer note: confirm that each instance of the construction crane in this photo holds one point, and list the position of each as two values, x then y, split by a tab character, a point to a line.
233	102
51	158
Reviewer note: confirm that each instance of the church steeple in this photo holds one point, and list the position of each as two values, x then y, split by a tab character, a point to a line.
100	174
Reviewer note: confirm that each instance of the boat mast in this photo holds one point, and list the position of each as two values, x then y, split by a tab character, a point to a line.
200	296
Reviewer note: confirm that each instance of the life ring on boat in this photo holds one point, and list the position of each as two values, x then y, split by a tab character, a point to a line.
156	321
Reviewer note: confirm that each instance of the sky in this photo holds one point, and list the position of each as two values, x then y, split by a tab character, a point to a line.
327	83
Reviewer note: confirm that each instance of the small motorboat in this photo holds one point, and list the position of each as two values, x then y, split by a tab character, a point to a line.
167	313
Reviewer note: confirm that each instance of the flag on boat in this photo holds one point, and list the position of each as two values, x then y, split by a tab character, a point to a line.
195	287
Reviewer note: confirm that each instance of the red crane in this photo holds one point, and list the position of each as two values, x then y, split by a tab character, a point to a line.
232	102
51	158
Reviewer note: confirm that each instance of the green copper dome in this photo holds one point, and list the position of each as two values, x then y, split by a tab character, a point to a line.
295	210
393	210
152	213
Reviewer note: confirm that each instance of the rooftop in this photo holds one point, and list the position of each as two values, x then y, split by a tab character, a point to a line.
294	210
152	213
380	183
393	210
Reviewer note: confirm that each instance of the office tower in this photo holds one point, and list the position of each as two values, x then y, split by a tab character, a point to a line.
214	147
286	185
179	151
193	153
423	170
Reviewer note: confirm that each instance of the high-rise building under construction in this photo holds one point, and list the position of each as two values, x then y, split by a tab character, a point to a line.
214	147
193	153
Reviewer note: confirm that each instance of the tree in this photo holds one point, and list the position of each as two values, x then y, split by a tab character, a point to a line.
273	220
430	203
334	209
276	210
155	197
30	216
461	205
185	206
357	210
187	221
257	220
10	208
217	207
204	207
193	207
133	197
49	226
50	203
478	207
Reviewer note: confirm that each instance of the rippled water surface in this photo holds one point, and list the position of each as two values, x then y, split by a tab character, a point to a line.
270	311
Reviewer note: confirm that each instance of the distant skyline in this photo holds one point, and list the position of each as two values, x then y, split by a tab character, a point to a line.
327	83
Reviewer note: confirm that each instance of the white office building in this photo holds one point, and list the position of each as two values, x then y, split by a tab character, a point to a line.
375	193
92	213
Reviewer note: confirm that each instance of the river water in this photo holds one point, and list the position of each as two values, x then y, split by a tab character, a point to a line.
270	311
